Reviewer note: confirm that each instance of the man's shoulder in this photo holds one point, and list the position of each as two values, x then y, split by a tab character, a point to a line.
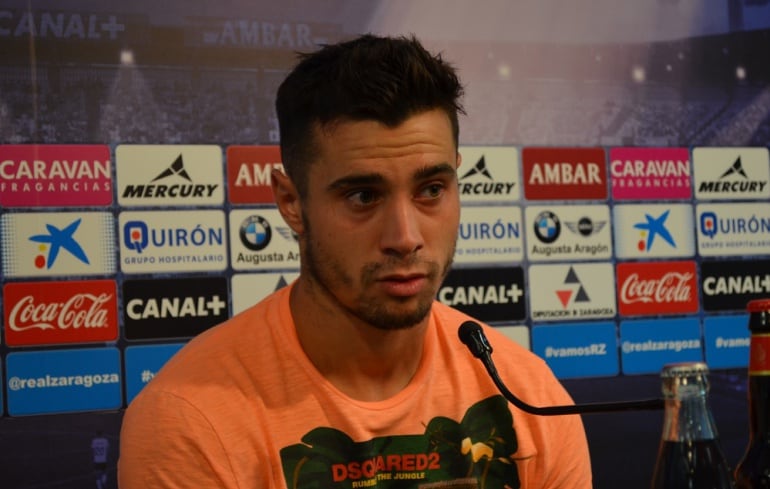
219	352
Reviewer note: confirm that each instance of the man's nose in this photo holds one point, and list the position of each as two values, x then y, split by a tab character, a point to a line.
401	230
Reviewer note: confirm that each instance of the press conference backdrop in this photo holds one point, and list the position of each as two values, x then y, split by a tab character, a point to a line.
615	188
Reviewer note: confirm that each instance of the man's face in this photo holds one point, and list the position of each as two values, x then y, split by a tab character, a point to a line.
381	216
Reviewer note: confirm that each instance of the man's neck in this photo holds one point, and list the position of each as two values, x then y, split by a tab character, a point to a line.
363	362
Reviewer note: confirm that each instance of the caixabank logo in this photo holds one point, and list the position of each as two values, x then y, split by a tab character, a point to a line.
162	175
249	171
652	288
564	173
650	173
261	240
486	293
489	174
733	229
55	175
568	232
731	173
653	230
570	292
173	308
731	284
172	241
49	244
55	312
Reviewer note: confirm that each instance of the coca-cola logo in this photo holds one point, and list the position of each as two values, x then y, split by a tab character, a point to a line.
47	313
672	287
80	311
651	288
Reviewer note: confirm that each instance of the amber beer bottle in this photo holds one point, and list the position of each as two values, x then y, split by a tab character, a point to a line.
753	470
690	455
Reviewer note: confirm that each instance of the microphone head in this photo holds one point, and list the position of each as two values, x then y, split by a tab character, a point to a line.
473	336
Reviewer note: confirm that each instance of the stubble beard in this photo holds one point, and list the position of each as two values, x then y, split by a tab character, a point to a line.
389	313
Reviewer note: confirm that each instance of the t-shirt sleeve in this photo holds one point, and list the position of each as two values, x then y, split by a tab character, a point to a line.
165	442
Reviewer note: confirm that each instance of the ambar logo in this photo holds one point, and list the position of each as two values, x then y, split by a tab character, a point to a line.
45	313
249	171
564	173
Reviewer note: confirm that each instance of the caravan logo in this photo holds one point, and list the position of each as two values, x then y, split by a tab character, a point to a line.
43	175
650	173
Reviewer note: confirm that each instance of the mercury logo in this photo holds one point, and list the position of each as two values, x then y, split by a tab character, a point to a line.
483	188
176	169
734	180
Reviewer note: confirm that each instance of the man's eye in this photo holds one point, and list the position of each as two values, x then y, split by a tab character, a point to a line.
432	191
362	197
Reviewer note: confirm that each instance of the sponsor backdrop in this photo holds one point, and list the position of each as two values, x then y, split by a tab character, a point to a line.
615	188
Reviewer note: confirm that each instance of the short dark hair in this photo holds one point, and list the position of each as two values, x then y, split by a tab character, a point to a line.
385	79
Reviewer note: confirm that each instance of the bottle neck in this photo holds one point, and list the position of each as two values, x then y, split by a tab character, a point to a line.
759	384
759	405
688	418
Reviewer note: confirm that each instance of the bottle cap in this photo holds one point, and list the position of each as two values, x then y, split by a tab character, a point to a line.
684	369
758	305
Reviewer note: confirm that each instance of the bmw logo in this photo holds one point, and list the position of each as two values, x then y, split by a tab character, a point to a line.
255	233
547	227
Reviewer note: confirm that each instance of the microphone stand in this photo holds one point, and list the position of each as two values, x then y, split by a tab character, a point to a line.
472	335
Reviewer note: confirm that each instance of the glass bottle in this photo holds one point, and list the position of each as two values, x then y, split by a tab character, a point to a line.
689	455
753	470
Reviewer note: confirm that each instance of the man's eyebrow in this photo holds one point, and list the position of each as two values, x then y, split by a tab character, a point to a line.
361	180
368	179
433	171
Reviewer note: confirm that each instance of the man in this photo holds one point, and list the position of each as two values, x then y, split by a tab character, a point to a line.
354	376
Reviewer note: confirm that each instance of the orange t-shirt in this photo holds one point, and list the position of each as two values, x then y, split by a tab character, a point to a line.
241	406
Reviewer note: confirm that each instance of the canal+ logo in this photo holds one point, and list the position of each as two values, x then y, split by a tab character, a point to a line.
56	241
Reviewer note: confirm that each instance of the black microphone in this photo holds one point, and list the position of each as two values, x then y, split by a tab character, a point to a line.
472	335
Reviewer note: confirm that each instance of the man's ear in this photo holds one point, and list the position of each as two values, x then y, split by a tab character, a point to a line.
287	199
